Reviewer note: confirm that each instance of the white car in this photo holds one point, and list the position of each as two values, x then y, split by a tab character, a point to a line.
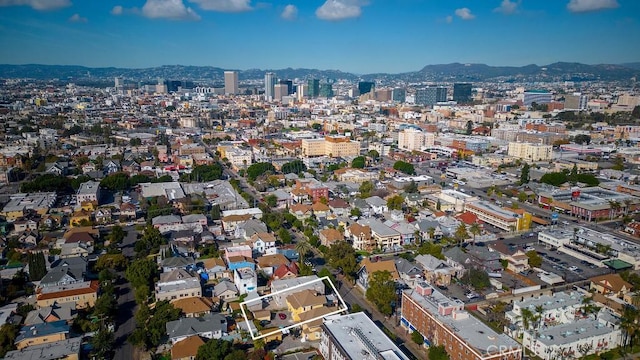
529	249
573	268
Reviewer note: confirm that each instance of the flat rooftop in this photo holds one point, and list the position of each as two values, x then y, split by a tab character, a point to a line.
549	302
568	333
494	210
19	202
360	338
474	332
55	350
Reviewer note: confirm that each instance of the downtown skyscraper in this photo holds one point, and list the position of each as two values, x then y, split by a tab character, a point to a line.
269	85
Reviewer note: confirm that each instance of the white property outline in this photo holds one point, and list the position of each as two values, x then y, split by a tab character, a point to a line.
244	314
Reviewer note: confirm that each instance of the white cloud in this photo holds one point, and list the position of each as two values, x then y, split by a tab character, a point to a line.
449	19
168	9
464	14
38	4
224	5
290	12
117	10
76	18
578	6
507	7
335	10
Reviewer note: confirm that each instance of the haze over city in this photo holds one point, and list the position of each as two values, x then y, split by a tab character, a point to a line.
358	36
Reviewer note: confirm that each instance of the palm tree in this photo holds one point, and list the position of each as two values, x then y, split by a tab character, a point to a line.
527	318
475	229
432	233
538	318
627	206
302	247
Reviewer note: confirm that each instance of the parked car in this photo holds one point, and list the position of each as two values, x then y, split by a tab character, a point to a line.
282	316
573	268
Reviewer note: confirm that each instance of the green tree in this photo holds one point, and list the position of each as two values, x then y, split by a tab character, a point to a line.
524	173
618	163
469	127
438	353
37	266
395	202
214	349
341	255
103	342
284	236
429	248
411	188
142	272
375	155
382	291
356	308
404	167
461	233
554	178
215	212
258	169
202	173
116	235
294	167
356	212
303	247
365	189
417	337
115	182
271	200
358	162
112	261
475	230
582	139
8	334
535	260
477	278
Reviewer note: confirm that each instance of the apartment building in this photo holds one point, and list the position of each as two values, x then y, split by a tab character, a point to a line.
356	337
530	151
558	308
83	293
411	139
332	146
88	192
444	322
177	284
499	217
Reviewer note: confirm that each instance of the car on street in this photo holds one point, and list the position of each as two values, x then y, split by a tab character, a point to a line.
573	268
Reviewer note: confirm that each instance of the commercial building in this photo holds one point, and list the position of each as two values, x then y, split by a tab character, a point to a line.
325	90
269	85
411	139
430	96
313	87
289	85
590	203
332	146
499	217
537	96
576	102
83	293
18	203
365	87
231	82
356	337
530	152
462	92
280	91
399	95
444	322
68	349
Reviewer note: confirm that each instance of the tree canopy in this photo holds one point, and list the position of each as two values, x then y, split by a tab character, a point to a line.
382	291
214	349
341	255
404	167
358	162
116	182
438	353
294	167
204	173
258	169
142	272
395	202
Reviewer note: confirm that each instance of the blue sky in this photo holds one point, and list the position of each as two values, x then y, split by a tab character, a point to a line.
360	36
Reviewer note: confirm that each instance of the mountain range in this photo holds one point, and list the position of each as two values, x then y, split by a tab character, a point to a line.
443	72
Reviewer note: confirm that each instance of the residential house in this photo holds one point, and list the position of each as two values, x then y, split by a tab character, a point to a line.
385	238
225	291
130	167
237	262
68	349
330	236
110	167
284	199
285	271
363	206
610	284
128	210
320	210
263	242
429	230
301	283
230	222
44	333
187	348
407	231
193	306
312	331
103	216
80	217
211	326
408	271
300	211
339	207
216	268
88	168
303	301
83	293
517	260
177	284
166	223
195	219
436	272
268	263
377	204
175	262
27	224
360	236
65	271
55	312
246	280
368	267
246	229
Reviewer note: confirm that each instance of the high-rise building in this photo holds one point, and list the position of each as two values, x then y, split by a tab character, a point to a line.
399	95
537	96
279	91
365	87
325	90
576	101
431	95
269	84
119	83
289	85
414	139
302	91
462	92
230	82
314	88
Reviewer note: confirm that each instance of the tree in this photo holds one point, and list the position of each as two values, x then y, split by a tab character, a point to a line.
259	169
535	260
429	248
395	202
293	167
461	233
341	255
112	261
635	113
115	182
524	174
618	163
358	162
477	278
365	189
356	212
404	167
102	343
284	236
411	188
214	349
375	155
438	353
382	291
271	200
141	272
469	127
475	230
204	173
8	334
582	139
215	212
37	266
554	178
116	235
417	337
302	247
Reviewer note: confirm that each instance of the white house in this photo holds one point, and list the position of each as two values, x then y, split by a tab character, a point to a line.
246	280
559	308
209	326
262	242
377	204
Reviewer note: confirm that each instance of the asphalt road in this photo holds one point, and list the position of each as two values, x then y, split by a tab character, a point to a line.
126	304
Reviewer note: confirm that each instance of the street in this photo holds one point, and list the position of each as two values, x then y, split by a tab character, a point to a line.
126	303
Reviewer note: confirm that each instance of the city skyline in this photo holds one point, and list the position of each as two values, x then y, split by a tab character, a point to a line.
350	35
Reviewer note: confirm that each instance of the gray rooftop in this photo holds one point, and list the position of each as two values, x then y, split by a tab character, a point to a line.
565	334
549	302
360	338
197	325
88	188
378	227
51	351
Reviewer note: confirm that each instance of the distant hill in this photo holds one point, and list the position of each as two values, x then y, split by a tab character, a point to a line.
443	72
